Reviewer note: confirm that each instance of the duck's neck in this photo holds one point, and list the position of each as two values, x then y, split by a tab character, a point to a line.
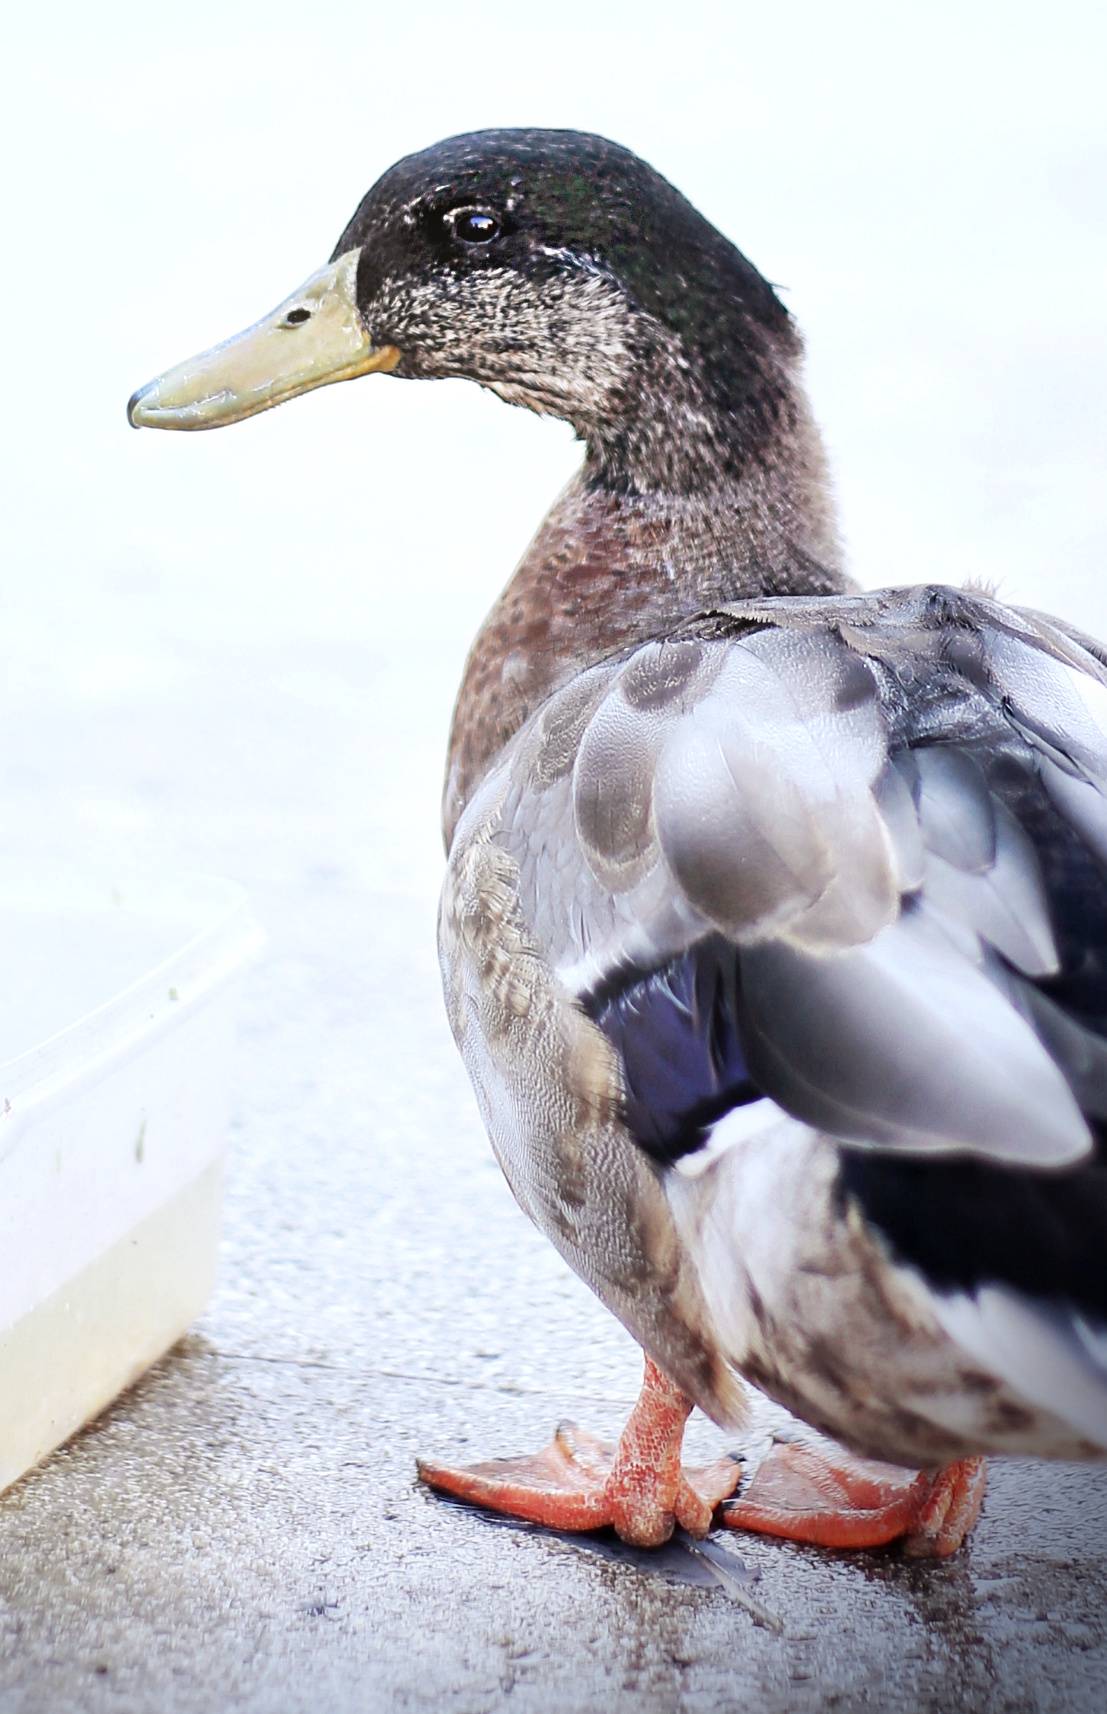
610	568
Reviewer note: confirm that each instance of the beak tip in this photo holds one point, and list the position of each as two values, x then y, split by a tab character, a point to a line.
133	404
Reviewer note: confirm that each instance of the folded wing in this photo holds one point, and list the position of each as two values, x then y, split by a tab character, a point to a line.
851	854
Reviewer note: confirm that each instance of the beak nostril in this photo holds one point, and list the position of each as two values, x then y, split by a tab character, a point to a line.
295	317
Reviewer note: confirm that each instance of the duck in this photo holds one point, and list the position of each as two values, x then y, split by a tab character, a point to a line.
773	932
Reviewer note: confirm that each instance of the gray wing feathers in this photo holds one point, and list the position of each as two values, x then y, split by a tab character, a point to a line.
905	1042
1002	908
763	802
1081	803
808	786
956	815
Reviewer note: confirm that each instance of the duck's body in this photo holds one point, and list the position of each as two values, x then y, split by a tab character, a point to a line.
775	919
630	992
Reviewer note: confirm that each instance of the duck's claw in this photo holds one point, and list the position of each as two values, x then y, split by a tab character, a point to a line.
951	1509
803	1495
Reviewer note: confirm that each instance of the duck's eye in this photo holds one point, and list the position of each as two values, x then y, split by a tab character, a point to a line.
474	225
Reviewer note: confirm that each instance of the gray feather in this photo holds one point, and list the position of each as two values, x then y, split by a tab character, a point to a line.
956	816
904	1043
1006	904
789	788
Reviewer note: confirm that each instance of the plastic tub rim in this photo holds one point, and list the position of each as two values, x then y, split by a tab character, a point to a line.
86	1049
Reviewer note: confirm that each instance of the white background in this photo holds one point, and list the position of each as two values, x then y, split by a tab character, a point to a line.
197	632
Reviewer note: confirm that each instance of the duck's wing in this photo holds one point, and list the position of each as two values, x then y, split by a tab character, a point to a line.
850	854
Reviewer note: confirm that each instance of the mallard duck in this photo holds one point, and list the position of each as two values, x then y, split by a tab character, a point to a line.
774	925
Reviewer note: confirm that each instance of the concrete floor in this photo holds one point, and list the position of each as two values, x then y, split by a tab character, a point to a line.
243	1530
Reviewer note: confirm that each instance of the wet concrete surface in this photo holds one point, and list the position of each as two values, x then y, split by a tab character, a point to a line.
244	1530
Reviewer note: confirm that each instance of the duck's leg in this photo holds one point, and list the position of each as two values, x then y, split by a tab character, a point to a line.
803	1495
578	1483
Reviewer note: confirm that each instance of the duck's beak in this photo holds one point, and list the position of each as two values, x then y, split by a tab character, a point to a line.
316	336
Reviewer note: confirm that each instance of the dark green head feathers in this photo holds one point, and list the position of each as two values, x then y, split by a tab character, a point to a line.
569	276
559	270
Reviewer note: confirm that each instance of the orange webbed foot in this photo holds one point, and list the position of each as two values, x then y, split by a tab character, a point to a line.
578	1483
801	1494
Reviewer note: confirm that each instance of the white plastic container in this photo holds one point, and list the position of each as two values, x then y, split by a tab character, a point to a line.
116	1029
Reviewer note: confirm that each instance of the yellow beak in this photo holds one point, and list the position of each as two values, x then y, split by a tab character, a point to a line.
315	337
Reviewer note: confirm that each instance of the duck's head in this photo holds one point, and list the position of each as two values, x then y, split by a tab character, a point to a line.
553	267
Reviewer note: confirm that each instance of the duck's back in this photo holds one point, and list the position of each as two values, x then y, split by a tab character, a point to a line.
843	859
